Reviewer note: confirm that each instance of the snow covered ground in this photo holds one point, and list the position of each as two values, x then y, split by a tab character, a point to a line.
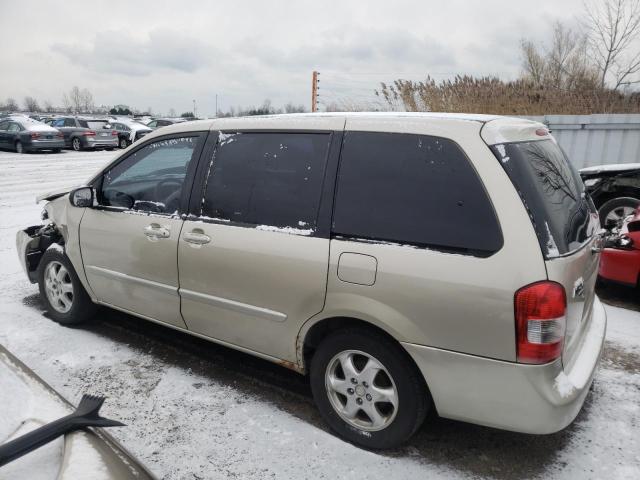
195	410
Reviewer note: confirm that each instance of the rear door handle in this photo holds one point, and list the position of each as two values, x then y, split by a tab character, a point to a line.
154	230
196	237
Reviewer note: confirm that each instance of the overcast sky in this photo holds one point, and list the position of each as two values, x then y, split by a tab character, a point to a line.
166	54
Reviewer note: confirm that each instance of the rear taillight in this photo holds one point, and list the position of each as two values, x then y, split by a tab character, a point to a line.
60	135
114	133
540	311
89	133
35	135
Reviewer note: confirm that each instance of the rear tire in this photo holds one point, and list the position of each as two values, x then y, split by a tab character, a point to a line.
385	389
76	144
123	143
19	148
614	211
65	298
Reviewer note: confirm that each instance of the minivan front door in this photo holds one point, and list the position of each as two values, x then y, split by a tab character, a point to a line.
129	242
252	257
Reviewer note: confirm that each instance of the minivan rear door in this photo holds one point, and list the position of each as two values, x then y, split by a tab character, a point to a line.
253	255
565	221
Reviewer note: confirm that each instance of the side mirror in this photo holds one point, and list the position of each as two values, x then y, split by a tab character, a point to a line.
82	197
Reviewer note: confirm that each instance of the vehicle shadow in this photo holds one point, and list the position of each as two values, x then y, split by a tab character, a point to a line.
619	295
468	449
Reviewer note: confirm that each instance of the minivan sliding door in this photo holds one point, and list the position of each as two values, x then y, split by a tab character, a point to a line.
252	255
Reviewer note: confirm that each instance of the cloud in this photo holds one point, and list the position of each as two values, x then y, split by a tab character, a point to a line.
353	48
119	52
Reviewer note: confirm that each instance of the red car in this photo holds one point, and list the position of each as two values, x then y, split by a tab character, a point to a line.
620	259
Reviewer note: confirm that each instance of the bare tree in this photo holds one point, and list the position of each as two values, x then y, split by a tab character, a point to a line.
75	98
172	112
31	104
291	108
11	105
86	99
48	107
533	62
563	64
66	103
614	28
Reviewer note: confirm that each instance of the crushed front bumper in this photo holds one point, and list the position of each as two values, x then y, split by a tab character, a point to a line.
31	243
537	399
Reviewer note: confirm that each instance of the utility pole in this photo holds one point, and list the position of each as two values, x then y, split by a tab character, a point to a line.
216	105
314	91
194	108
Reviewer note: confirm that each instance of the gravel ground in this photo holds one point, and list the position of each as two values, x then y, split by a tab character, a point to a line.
196	410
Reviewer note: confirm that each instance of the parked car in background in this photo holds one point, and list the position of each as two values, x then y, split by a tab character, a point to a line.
29	403
87	133
164	122
379	282
620	259
615	190
23	134
129	131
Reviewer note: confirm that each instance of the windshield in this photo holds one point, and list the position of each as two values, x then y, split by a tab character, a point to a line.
563	215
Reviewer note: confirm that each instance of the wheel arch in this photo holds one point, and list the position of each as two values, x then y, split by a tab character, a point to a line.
617	192
313	332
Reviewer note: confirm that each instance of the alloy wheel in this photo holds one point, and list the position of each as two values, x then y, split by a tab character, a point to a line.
616	216
361	390
58	287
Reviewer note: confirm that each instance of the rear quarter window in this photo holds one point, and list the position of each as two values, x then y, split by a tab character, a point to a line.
413	189
553	193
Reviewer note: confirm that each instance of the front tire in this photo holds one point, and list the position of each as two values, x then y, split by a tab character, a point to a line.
613	212
368	389
65	298
123	143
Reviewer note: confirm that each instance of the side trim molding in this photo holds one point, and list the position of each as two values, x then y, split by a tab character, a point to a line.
233	305
105	272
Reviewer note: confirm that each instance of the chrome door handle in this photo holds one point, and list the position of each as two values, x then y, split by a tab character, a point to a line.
156	231
197	238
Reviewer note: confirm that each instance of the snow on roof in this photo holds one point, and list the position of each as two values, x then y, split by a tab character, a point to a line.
614	167
428	123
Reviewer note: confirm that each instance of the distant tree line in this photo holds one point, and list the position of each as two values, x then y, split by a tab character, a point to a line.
265	109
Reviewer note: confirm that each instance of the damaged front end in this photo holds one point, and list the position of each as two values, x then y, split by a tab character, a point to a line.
31	243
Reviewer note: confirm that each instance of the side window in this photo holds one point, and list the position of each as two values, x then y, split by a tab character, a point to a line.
58	123
4	126
413	189
152	124
273	180
151	178
14	127
69	122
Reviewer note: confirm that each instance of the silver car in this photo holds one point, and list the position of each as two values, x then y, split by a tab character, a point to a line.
404	262
24	134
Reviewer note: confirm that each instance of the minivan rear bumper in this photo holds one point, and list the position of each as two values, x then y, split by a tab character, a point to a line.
537	399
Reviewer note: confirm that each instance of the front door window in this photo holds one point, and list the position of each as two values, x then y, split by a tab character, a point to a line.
151	178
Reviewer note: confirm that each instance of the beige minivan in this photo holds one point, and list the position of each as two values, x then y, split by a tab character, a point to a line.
405	262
